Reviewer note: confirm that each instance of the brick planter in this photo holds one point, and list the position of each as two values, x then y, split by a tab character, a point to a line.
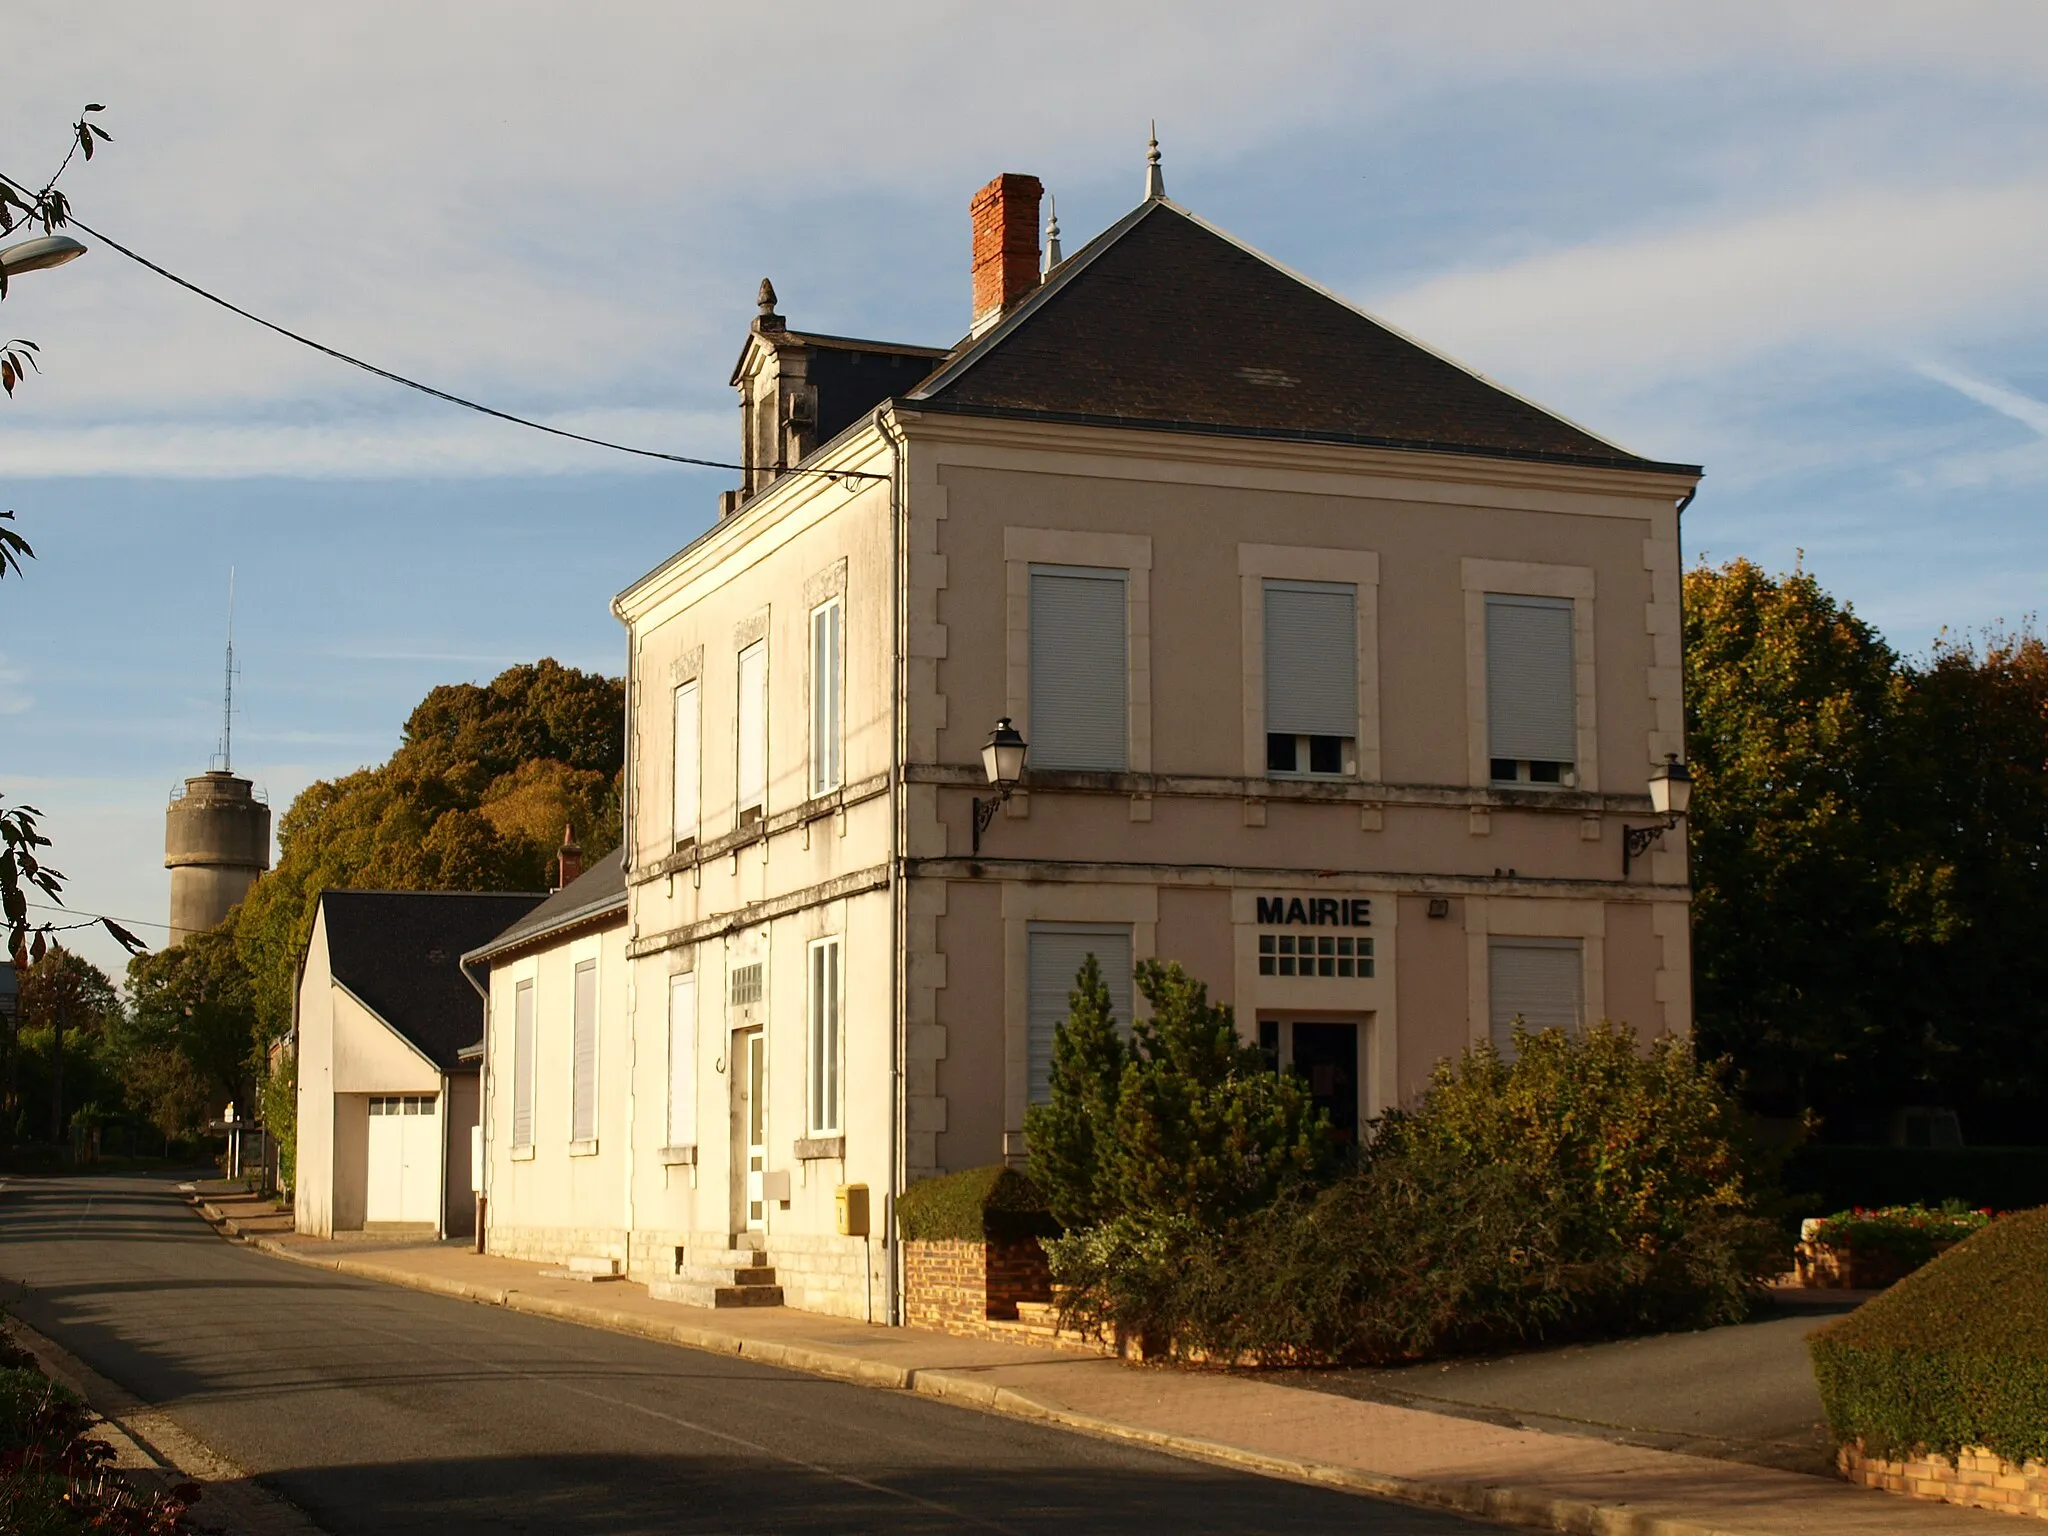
1826	1267
963	1287
1977	1479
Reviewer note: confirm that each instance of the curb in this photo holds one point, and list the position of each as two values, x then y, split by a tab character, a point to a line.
1519	1506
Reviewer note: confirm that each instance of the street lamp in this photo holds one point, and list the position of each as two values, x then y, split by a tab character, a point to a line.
1002	759
39	254
1670	797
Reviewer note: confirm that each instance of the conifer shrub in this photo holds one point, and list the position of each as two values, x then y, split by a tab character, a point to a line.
1955	1355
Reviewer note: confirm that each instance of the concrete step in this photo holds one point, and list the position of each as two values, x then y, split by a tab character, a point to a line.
698	1293
726	1258
726	1274
585	1263
1039	1314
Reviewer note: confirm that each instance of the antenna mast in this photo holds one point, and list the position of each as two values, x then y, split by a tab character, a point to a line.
227	711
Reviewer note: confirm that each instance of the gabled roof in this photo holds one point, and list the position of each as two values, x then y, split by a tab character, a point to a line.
595	898
1165	321
400	952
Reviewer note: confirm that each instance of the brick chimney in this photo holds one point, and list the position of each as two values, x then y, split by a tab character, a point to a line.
570	859
1005	215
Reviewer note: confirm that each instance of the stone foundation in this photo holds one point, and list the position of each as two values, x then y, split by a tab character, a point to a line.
554	1245
962	1287
1976	1478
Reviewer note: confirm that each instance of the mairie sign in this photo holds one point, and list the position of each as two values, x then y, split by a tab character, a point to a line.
1316	911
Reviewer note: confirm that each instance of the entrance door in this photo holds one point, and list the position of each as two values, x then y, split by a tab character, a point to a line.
404	1173
750	1131
1326	1054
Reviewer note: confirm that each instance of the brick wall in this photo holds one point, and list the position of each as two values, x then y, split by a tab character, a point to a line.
959	1287
1977	1479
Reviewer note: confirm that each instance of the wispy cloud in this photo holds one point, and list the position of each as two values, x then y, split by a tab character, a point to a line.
15	698
2024	409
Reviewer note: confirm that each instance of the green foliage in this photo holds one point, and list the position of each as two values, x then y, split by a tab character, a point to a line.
1204	1128
279	1101
1912	1233
475	798
1954	1355
1869	837
971	1207
57	1052
1071	1134
1585	1188
185	1046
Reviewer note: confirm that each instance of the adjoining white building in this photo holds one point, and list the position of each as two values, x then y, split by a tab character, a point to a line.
386	1100
1342	672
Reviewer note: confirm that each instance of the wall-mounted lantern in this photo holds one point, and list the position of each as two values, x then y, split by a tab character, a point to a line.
1670	797
1002	759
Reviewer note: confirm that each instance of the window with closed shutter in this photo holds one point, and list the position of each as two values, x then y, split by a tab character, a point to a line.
1531	691
1538	981
1080	677
685	768
522	1065
682	1060
583	1055
1057	951
1311	646
825	729
752	716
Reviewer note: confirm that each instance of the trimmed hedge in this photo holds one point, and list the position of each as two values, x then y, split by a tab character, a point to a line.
1829	1178
1954	1355
976	1206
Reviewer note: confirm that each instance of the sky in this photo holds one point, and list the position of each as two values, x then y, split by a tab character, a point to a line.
1804	246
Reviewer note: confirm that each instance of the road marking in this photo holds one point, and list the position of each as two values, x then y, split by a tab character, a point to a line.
951	1512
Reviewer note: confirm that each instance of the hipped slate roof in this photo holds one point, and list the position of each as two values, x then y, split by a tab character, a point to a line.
597	895
400	952
1164	321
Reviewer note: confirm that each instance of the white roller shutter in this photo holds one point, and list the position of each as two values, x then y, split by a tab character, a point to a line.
1311	658
1538	981
682	1060
752	747
686	770
1080	671
583	1056
1057	951
522	1065
1531	713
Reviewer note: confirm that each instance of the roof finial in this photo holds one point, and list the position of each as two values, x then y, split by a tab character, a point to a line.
1052	235
1155	181
766	297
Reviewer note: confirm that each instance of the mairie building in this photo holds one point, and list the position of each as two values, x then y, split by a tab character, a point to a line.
1338	671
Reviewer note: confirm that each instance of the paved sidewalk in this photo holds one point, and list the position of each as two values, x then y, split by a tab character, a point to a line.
1556	1482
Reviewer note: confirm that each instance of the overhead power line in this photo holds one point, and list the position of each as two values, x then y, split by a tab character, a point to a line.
428	389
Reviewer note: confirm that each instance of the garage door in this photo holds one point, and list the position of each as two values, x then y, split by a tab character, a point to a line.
405	1158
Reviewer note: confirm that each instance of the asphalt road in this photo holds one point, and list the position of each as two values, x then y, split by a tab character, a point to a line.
381	1410
1741	1393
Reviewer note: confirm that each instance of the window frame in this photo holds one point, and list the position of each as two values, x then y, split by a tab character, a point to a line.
1302	746
748	797
1513	578
1120	578
686	821
1578	947
1297	564
827	701
825	1037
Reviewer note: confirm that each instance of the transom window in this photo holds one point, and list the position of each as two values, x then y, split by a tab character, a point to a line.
402	1104
1309	954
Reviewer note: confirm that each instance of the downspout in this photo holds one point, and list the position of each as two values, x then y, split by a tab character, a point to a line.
899	895
483	1105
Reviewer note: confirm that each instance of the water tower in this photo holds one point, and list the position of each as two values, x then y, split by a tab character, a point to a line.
217	831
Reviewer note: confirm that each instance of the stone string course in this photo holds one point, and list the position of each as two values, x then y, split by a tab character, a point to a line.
1977	1478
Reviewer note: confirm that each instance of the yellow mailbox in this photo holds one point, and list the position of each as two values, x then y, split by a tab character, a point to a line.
851	1202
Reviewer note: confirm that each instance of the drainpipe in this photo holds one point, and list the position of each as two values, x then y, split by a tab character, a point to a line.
483	1104
899	894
